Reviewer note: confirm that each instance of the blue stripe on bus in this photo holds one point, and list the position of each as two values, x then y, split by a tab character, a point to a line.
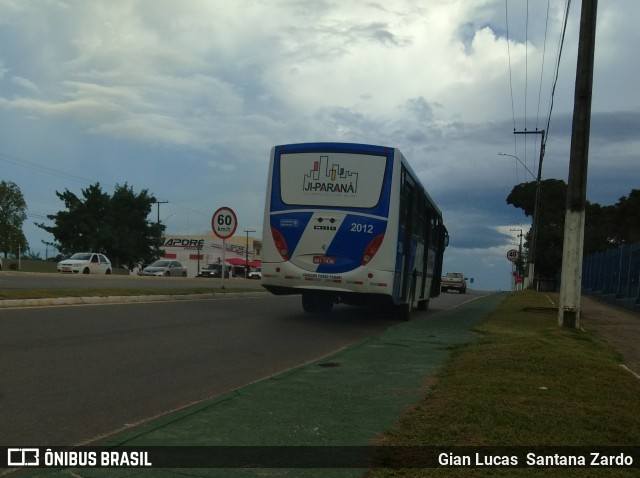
350	242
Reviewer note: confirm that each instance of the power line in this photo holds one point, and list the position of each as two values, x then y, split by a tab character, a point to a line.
34	166
557	68
544	52
526	74
513	111
555	74
24	163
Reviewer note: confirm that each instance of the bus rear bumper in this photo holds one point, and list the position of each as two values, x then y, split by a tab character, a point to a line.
336	296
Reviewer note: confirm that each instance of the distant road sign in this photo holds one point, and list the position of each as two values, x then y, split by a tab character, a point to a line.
513	255
224	223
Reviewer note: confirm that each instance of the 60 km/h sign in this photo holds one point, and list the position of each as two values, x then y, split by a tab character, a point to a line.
224	223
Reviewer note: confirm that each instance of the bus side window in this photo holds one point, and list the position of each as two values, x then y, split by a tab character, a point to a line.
428	227
420	218
403	198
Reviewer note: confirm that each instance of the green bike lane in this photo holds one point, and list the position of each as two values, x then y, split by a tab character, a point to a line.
344	400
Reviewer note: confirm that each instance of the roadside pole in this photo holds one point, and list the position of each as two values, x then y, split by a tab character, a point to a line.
533	243
570	286
224	223
224	264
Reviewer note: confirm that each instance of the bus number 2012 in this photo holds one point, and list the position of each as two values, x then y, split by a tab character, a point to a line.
363	228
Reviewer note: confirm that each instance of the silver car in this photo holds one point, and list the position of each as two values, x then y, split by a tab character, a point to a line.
165	267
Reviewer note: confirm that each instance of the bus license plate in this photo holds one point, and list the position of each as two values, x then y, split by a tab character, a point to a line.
324	260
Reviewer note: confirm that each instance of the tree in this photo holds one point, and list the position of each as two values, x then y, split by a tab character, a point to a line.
605	226
551	212
130	242
12	214
626	215
114	225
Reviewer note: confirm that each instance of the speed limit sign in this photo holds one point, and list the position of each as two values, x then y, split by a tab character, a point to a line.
224	223
513	255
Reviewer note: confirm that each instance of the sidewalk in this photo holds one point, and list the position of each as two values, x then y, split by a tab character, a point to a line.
620	327
343	400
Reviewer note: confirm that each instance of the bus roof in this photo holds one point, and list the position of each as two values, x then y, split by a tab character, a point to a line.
331	146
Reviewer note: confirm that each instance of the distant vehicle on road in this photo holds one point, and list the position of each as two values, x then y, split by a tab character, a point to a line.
454	280
213	270
165	267
86	263
256	273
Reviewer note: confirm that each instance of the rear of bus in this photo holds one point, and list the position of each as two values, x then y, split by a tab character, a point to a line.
327	233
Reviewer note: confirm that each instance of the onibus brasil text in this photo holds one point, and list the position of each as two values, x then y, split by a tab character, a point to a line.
73	458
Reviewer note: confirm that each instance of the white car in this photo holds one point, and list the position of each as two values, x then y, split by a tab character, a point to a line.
86	263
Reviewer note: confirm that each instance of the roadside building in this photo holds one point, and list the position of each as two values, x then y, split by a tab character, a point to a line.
196	251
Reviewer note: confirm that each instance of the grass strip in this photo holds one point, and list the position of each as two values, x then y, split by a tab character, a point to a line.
55	293
526	382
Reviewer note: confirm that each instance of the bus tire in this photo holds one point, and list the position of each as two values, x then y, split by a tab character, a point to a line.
316	303
308	304
404	310
423	305
325	305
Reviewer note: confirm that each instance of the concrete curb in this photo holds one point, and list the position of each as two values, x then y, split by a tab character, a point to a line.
119	299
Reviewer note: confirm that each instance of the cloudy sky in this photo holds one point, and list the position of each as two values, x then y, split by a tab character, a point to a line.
186	99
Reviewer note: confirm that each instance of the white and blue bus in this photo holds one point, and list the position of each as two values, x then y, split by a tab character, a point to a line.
350	223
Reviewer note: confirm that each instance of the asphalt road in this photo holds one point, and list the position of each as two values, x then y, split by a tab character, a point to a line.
74	375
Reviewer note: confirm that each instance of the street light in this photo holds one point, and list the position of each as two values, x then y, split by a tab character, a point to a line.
536	213
524	165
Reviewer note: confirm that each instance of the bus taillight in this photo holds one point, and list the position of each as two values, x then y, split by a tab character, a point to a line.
281	244
371	249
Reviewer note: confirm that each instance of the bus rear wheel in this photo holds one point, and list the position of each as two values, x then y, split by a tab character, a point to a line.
316	303
404	310
423	305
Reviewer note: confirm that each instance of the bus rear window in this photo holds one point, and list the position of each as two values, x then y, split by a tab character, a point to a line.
331	179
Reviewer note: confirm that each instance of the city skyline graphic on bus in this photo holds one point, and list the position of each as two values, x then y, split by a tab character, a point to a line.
332	179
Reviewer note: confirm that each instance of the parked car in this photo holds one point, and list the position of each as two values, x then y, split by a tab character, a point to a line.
86	263
256	273
213	270
165	267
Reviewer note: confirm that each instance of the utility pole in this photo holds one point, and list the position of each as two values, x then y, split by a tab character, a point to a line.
158	203
518	263
246	252
536	208
157	253
570	286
